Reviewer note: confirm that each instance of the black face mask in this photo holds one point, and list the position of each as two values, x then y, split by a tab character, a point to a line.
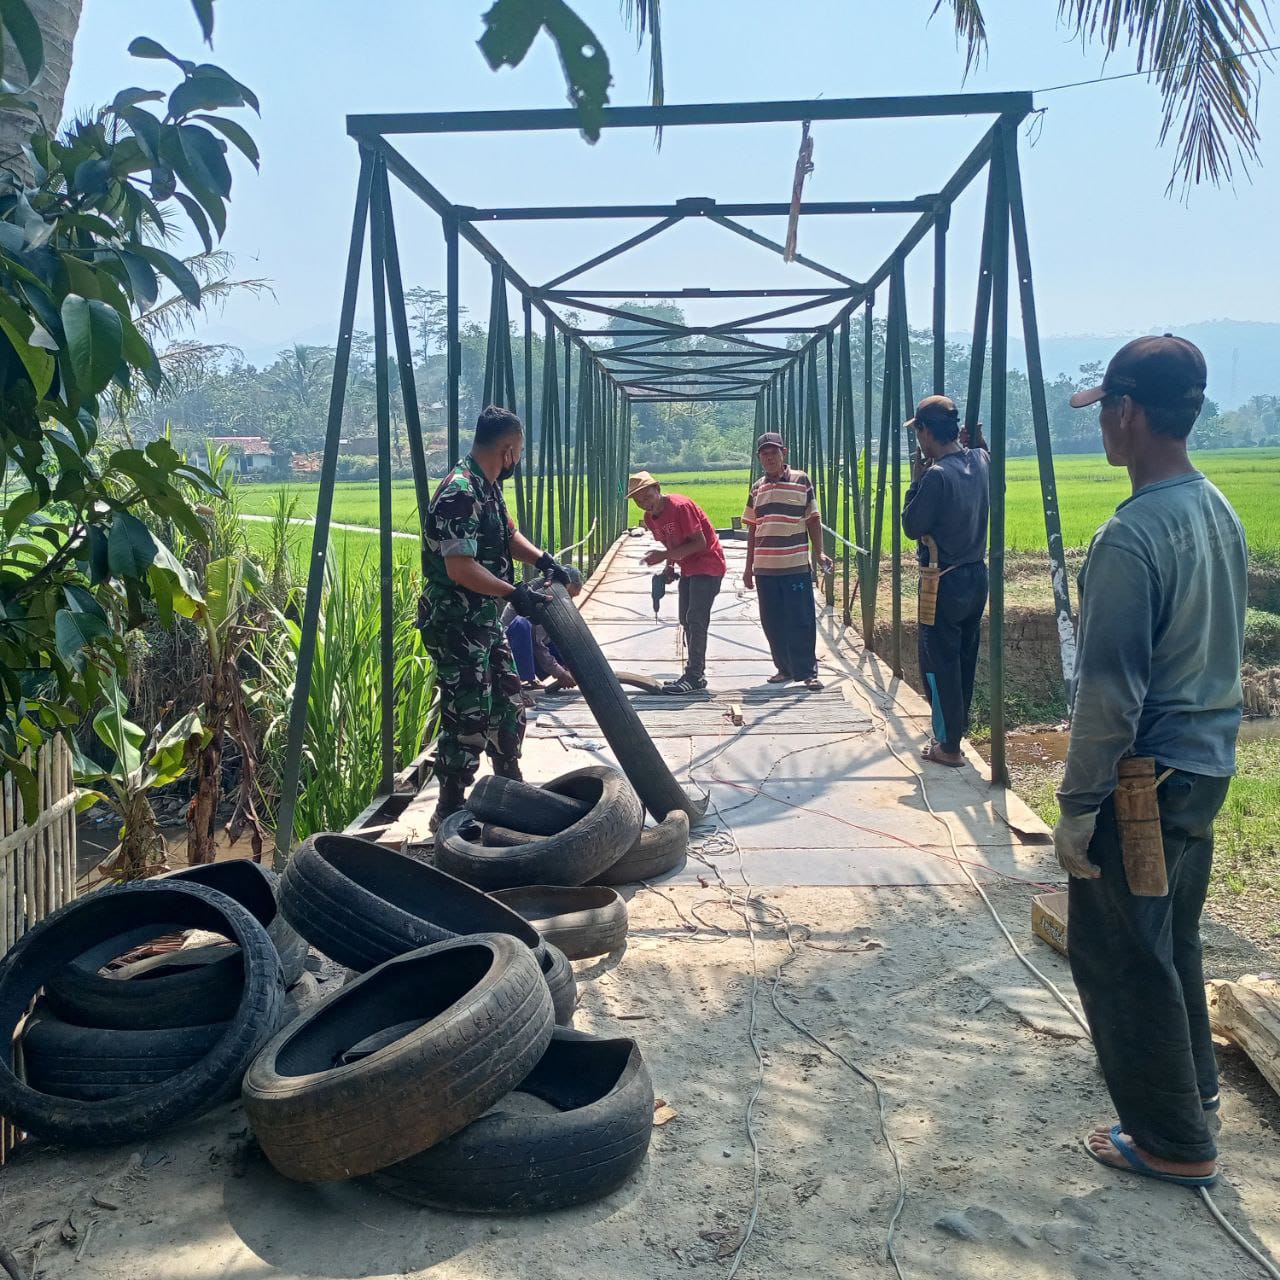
506	473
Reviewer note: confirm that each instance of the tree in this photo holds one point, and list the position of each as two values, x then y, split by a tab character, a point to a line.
45	55
79	261
1205	55
429	318
301	376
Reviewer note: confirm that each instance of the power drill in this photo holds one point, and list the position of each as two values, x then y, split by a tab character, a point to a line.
658	589
658	586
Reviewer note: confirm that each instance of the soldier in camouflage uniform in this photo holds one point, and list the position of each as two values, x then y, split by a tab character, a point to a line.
468	547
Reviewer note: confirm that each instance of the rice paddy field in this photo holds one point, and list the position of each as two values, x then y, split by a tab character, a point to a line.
1088	492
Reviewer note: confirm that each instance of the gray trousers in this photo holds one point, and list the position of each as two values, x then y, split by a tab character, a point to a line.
697	593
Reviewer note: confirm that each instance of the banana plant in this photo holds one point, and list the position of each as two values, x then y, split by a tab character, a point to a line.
231	584
141	763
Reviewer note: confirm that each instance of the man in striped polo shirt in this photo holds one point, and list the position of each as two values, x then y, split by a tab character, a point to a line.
782	522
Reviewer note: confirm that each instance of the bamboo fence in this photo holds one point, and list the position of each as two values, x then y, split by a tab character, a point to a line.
37	858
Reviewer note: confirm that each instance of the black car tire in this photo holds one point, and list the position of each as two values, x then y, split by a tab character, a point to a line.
659	849
486	1019
86	923
93	1064
496	837
200	986
573	856
585	921
510	1163
362	905
561	982
522	806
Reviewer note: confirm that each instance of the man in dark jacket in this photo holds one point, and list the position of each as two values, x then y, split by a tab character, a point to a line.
1162	602
948	502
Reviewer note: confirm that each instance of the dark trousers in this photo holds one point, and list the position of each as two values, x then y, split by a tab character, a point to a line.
480	704
697	594
789	621
949	651
1137	966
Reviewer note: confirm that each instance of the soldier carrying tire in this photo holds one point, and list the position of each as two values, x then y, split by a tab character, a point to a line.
469	546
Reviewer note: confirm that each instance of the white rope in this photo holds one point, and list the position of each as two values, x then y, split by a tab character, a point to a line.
1267	1266
851	545
573	546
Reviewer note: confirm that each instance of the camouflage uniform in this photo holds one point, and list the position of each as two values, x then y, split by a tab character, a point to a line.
480	703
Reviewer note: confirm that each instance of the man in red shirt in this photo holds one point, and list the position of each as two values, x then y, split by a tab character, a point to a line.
690	542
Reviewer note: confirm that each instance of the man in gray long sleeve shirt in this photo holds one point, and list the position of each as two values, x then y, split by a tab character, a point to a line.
1162	600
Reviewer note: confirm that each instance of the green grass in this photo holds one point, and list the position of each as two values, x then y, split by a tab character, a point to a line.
1247	832
1088	492
1247	852
362	546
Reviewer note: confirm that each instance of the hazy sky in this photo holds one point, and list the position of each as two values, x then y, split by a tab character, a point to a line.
1112	253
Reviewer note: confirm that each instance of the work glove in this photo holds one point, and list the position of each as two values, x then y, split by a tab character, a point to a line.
526	600
548	564
1071	843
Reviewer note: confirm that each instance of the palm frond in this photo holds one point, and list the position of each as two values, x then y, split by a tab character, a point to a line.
644	17
186	364
971	28
1207	57
173	316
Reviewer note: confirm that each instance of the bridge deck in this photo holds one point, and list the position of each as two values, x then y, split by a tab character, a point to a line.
816	788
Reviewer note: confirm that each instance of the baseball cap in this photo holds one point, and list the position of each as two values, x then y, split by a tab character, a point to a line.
1161	371
934	411
770	438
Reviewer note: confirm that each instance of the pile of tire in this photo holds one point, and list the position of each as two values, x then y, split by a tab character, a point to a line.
114	1054
584	827
457	1004
362	905
419	1073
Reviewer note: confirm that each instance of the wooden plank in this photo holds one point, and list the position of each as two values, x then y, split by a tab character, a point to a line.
1248	1014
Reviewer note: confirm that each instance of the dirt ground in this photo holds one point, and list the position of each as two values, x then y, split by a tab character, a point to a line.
986	1095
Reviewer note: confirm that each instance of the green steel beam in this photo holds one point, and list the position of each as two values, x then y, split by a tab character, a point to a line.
1040	419
765	243
300	704
998	440
386	565
369	126
618	249
694	293
694	207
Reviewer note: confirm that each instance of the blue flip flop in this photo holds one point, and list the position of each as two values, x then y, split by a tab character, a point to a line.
1139	1166
1211	1104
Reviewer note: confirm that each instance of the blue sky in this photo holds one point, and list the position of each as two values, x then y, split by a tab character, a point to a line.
1112	253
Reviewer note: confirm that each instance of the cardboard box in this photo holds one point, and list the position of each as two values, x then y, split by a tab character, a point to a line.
1049	919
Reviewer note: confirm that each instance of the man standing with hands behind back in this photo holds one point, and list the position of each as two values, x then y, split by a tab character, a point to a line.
690	543
782	522
948	504
1162	602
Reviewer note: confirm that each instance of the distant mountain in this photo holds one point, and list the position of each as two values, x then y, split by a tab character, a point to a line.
1243	355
